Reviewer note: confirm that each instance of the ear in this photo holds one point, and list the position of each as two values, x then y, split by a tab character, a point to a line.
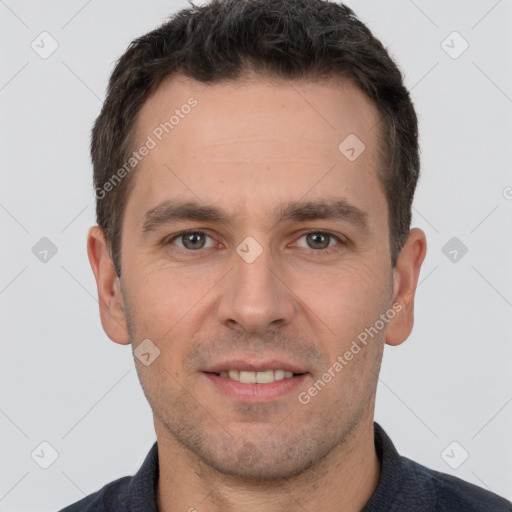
405	279
109	287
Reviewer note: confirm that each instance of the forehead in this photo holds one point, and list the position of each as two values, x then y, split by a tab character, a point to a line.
328	109
254	140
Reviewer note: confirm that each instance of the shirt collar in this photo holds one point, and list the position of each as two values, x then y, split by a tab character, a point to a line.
391	473
142	489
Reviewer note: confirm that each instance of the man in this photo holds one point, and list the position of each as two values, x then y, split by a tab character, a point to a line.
255	163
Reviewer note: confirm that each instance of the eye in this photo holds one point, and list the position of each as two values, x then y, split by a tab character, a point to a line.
320	240
197	240
191	240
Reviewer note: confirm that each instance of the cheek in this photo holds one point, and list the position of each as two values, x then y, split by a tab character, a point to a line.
349	298
164	298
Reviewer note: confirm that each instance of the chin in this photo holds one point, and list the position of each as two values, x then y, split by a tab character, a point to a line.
263	471
261	462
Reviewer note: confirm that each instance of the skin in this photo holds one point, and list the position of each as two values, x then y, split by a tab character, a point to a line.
247	147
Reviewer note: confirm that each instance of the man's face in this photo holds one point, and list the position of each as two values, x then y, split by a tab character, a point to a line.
252	149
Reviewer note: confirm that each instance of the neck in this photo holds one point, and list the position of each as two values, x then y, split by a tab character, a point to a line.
344	480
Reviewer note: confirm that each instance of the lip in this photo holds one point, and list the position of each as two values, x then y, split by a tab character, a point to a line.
255	393
260	366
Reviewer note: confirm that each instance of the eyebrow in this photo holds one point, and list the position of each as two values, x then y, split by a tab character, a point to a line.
300	211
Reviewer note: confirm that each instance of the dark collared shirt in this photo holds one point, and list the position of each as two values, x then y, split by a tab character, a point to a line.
404	486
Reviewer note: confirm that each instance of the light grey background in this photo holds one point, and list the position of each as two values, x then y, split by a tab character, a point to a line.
64	382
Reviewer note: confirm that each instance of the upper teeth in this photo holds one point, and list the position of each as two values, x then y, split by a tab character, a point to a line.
257	377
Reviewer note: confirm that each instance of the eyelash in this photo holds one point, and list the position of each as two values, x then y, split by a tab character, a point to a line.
327	250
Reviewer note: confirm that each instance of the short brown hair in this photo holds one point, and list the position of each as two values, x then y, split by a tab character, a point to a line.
222	40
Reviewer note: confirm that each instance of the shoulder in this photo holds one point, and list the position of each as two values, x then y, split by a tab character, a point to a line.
449	493
405	484
135	492
106	499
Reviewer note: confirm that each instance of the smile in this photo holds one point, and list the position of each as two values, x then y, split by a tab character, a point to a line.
263	377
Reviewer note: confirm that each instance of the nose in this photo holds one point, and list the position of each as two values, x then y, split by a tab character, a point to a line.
255	296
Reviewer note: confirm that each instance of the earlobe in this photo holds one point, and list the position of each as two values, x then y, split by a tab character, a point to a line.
110	297
405	280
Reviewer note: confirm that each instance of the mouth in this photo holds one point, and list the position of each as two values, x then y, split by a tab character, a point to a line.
259	377
251	383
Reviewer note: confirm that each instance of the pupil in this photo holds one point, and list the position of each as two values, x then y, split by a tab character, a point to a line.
317	237
191	240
